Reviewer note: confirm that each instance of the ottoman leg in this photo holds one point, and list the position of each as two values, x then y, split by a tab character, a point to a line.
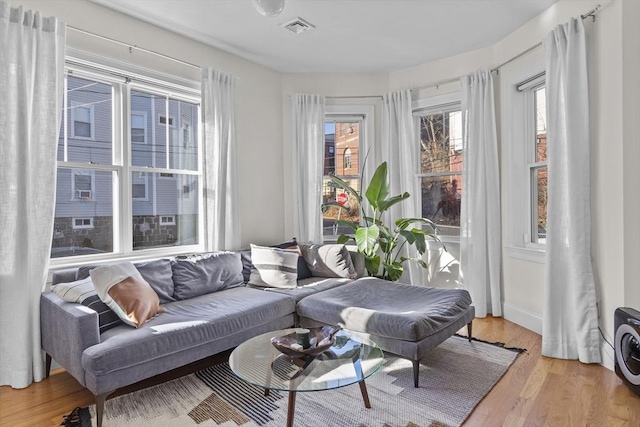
469	330
416	372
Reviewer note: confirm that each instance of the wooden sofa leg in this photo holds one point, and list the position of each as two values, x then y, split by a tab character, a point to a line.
47	365
469	330
100	399
416	372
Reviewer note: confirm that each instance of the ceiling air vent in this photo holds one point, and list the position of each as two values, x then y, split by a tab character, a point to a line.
297	25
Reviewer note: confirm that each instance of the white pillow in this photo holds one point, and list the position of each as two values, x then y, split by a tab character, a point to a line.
76	291
274	267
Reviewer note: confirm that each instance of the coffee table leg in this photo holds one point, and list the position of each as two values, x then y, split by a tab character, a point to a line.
291	408
363	387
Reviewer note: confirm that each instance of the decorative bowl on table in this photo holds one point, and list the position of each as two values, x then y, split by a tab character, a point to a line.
320	339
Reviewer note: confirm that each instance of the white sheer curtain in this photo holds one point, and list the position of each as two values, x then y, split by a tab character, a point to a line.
570	320
222	223
307	135
400	151
480	247
31	82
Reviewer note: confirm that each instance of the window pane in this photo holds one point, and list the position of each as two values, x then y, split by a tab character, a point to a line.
342	144
539	194
177	198
184	136
92	230
541	125
441	142
441	202
89	115
139	185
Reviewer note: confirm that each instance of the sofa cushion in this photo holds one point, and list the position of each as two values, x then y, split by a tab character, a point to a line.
388	309
123	289
310	286
83	292
197	275
274	267
186	324
328	260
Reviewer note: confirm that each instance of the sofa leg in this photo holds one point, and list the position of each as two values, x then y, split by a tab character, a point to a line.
416	372
47	365
100	399
469	330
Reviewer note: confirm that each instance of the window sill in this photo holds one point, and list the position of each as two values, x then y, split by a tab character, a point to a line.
526	254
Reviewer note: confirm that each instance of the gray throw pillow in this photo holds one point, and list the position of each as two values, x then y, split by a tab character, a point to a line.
159	275
202	274
328	260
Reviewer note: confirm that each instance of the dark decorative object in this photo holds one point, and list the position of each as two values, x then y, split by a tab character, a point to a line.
321	339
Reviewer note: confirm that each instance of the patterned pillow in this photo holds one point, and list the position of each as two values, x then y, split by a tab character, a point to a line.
83	292
274	267
303	268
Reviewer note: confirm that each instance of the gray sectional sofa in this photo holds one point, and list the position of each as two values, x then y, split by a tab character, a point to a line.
189	329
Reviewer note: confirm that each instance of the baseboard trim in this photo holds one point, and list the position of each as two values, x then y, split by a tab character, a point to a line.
523	318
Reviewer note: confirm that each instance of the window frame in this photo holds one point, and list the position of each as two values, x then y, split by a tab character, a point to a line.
161	220
74	191
143	114
517	123
124	78
81	227
448	102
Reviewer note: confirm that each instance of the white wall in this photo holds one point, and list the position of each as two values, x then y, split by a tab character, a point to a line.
258	99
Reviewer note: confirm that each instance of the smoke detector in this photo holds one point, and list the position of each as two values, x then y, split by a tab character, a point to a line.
297	25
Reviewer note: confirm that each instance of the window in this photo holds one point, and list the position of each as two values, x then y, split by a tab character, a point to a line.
339	140
440	171
121	181
82	187
347	158
167	220
82	223
82	119
537	140
139	127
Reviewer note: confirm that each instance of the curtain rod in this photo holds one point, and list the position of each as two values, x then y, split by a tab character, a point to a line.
592	14
132	47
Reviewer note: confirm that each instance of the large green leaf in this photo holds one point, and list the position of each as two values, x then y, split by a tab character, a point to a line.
408	235
343	238
352	225
367	239
421	244
386	204
393	271
372	264
378	189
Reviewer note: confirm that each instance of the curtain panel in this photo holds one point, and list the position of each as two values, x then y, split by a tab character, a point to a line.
307	133
400	151
222	222
480	242
32	51
570	320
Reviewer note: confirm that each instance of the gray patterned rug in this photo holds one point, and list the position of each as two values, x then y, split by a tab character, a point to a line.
453	380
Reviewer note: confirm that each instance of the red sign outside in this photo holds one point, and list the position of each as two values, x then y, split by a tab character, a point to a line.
342	198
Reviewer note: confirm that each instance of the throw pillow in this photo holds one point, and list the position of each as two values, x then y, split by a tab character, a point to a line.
303	268
123	289
329	260
83	292
201	274
157	273
274	267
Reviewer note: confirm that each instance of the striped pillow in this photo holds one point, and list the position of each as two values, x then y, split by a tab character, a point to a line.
274	267
83	292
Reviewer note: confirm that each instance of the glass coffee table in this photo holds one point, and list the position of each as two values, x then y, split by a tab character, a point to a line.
347	362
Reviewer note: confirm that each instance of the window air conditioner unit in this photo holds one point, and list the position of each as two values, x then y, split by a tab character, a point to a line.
83	194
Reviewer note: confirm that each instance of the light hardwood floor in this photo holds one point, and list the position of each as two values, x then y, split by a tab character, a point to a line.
536	391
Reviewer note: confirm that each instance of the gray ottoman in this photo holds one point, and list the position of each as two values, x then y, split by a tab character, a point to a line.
405	320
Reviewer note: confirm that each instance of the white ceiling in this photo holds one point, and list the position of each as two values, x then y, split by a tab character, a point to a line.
351	36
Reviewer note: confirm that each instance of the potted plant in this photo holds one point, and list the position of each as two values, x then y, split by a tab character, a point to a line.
379	244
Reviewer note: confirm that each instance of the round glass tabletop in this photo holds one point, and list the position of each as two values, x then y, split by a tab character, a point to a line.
348	361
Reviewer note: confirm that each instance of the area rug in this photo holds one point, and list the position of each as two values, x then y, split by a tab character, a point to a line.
453	380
